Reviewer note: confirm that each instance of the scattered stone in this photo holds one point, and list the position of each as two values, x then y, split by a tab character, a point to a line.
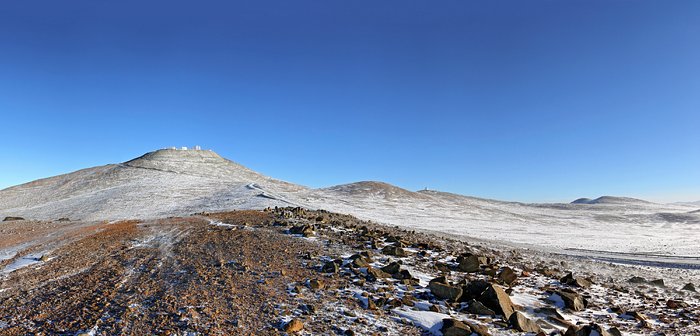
444	291
392	268
295	325
478	308
570	280
316	284
374	274
675	304
507	276
495	298
657	283
468	263
587	330
305	230
521	323
452	327
394	250
637	280
689	287
479	329
330	267
572	300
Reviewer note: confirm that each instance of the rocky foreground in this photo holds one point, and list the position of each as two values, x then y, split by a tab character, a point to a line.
296	271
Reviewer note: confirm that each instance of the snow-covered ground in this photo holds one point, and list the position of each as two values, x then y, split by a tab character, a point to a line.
176	182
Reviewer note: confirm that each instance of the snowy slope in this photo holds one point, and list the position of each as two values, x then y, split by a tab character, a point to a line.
162	183
177	182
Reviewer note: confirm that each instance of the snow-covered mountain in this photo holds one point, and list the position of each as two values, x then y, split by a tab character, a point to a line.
180	182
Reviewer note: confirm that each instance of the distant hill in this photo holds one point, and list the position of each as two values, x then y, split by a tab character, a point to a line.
611	200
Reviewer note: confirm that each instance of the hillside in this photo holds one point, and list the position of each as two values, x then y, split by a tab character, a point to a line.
293	271
181	182
160	183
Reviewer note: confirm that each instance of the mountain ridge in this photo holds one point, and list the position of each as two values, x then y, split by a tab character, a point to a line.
171	182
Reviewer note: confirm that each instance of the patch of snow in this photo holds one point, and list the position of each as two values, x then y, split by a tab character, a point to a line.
429	321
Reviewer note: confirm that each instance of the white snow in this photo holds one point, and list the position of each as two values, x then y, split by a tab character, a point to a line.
22	262
426	320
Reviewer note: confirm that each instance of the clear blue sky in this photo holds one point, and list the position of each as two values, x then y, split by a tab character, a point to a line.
516	100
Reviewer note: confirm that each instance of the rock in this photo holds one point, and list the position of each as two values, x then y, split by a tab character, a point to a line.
572	300
360	262
452	327
614	331
479	329
394	251
495	298
476	307
10	218
637	280
44	258
316	284
468	263
330	267
295	325
658	283
507	276
444	291
587	330
521	323
689	287
374	274
305	230
392	268
570	280
473	290
674	304
403	274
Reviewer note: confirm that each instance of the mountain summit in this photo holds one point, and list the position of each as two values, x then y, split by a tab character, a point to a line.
160	183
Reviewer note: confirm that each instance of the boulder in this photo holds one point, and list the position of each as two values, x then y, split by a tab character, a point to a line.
589	330
452	327
444	291
394	250
360	262
479	329
657	283
316	284
637	280
305	230
473	290
468	263
295	325
572	300
374	274
521	323
478	308
496	299
689	287
570	280
330	267
392	268
403	274
507	276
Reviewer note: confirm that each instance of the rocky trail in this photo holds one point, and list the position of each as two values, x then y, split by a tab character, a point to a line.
296	271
